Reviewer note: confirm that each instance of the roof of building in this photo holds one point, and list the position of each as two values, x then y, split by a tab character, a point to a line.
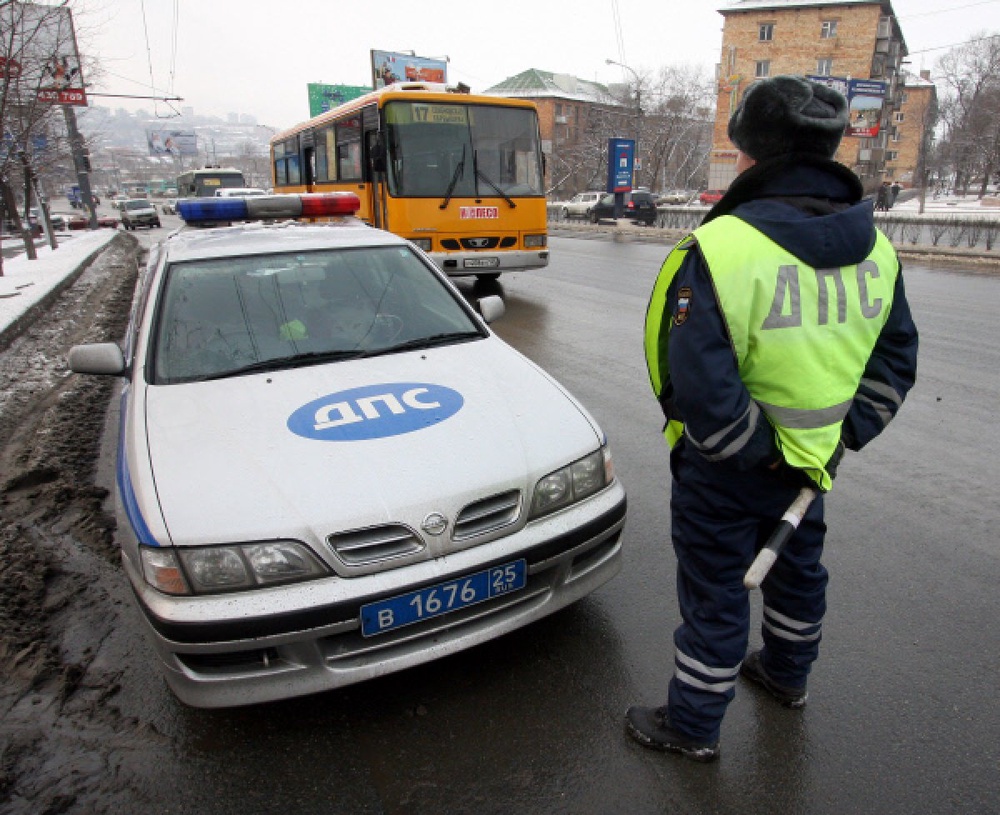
535	83
757	5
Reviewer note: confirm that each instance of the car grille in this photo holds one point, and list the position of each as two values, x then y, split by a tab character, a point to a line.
478	243
372	545
487	515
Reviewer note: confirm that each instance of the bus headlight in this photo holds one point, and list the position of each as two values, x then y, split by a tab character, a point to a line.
423	243
535	241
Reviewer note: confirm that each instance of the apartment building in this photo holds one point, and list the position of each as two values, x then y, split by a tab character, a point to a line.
909	130
855	45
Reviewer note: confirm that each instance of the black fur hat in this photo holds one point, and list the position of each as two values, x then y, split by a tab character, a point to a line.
788	114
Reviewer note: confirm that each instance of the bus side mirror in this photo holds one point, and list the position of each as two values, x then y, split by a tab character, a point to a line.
378	153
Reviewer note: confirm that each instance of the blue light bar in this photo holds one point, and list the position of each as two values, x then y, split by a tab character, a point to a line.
198	210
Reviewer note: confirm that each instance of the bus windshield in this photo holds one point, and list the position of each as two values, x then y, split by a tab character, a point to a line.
205	182
438	149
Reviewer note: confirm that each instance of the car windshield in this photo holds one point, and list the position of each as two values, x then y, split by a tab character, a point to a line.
227	316
138	204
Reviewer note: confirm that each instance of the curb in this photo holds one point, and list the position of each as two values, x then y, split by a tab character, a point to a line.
23	322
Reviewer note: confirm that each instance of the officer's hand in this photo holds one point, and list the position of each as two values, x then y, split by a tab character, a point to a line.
834	462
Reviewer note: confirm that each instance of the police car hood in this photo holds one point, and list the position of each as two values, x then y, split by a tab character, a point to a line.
306	452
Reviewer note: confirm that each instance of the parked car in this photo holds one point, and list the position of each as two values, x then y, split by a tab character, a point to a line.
83	222
169	207
139	212
118	200
675	197
638	205
711	196
580	205
330	468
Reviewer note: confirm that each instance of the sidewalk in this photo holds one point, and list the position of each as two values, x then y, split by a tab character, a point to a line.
28	286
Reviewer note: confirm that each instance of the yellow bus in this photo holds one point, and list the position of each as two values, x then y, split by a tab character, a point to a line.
458	174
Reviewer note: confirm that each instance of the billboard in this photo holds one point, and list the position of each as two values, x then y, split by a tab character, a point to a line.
389	67
621	160
324	97
42	55
172	142
864	99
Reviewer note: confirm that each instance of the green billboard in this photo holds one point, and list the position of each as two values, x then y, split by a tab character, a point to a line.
324	97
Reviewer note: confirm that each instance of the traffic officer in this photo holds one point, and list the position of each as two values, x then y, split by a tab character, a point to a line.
777	334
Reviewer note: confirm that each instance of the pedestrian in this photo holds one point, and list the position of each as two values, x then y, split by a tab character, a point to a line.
894	190
882	197
777	335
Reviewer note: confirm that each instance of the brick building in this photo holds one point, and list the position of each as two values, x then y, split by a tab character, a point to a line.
907	146
855	44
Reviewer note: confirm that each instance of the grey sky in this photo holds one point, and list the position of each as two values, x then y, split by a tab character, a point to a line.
257	56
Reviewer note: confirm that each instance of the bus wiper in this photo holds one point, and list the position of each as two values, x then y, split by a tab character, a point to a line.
459	168
283	363
480	174
431	341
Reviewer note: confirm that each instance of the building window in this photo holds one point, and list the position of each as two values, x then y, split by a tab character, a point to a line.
884	27
765	32
891	155
895	134
824	66
828	29
899	116
762	69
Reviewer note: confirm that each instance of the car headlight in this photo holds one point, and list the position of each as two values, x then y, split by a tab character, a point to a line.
572	483
214	569
533	241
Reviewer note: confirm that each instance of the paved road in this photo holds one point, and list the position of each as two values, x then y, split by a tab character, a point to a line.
902	716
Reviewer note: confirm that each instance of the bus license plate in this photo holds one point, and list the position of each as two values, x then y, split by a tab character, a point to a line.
482	263
388	615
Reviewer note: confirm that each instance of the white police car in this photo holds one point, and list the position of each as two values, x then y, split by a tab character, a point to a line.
329	468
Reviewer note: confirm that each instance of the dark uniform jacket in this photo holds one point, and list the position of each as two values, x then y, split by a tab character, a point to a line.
812	207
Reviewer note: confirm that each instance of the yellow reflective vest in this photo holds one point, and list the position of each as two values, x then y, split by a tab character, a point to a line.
801	336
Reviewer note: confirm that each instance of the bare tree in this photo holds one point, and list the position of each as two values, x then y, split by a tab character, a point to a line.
970	110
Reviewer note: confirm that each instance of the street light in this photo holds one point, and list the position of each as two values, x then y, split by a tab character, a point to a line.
638	105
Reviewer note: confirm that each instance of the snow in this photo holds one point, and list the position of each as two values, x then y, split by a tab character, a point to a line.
25	283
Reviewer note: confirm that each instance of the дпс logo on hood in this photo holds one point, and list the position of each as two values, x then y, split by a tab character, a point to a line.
375	411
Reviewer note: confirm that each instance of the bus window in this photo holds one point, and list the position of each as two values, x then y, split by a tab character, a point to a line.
430	150
349	150
506	151
326	156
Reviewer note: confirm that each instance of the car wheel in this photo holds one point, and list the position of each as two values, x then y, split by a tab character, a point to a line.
157	224
565	214
593	217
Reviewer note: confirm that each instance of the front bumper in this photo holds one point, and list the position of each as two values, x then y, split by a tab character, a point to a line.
455	264
258	646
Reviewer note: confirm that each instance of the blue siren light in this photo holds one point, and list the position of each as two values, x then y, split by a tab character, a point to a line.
207	211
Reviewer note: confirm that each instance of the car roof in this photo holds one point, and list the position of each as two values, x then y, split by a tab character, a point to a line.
195	243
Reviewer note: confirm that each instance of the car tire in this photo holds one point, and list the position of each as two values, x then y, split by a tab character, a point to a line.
593	217
565	214
157	224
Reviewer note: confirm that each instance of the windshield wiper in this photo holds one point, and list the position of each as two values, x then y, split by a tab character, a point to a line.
284	363
459	168
480	174
431	341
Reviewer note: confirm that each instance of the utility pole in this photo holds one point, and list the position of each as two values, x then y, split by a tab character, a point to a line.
81	162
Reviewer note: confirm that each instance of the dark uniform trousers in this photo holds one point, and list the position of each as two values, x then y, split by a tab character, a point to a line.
720	518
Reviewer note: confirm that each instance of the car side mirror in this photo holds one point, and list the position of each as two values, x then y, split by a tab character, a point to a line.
103	358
